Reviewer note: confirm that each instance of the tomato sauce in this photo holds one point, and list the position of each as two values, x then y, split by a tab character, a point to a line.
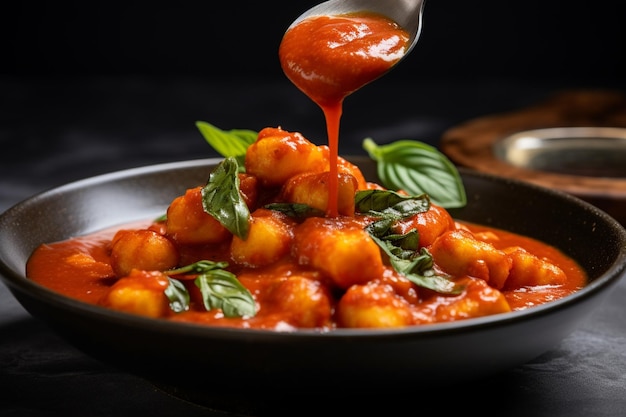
289	293
528	296
330	57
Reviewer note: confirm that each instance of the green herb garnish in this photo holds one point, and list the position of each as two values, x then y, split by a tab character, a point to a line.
391	203
233	142
222	200
296	211
178	295
408	165
219	288
418	168
402	249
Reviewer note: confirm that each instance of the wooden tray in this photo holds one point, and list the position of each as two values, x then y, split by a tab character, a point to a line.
473	144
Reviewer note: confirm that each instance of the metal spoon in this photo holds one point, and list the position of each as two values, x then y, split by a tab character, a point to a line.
406	13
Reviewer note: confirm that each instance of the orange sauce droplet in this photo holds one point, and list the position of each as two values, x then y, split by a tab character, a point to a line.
330	57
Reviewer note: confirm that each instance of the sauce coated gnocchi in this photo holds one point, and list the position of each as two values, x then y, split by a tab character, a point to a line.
314	271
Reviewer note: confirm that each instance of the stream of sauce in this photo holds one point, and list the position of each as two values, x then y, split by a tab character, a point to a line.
330	57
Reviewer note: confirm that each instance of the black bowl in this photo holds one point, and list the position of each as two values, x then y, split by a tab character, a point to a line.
227	366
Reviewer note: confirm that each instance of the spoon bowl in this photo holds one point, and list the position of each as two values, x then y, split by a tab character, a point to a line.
406	13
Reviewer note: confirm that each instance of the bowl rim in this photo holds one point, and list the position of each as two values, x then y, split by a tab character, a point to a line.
17	282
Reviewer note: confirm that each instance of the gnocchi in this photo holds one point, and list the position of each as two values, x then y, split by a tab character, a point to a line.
296	266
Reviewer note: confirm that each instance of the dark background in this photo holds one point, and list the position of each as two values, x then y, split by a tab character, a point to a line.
88	87
574	40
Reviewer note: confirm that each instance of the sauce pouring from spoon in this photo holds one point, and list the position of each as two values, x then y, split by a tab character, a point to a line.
406	13
339	46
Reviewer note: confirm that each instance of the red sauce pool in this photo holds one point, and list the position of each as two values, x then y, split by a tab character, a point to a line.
80	268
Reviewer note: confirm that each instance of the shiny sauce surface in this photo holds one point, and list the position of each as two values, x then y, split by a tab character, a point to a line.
291	295
330	57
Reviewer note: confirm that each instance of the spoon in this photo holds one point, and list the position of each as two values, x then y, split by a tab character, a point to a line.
406	13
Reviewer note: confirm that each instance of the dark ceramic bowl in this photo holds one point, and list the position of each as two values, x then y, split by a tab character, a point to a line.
218	365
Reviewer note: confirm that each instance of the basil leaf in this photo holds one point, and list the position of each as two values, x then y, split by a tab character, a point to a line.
429	279
390	203
221	198
418	168
178	295
415	266
221	289
297	211
198	267
403	246
402	249
227	143
419	269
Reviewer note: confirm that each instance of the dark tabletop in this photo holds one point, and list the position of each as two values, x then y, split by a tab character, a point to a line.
59	125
